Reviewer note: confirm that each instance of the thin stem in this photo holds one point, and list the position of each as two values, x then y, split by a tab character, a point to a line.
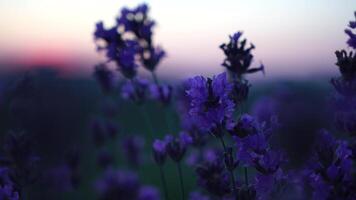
181	180
168	119
147	121
154	76
164	183
232	176
246	176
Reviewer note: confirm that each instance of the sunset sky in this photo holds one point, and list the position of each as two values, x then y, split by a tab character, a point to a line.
293	38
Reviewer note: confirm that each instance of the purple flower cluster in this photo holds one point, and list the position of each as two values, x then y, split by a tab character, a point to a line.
129	44
330	172
210	102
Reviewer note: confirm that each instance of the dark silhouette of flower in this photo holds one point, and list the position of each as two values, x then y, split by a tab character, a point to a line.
177	146
352	36
105	77
210	102
213	177
239	57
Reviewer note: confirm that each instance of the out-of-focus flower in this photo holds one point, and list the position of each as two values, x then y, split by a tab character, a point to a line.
105	77
136	20
213	177
177	146
148	193
7	187
135	90
198	196
118	185
240	91
159	151
210	102
330	172
239	57
151	57
104	158
161	93
102	130
132	147
21	157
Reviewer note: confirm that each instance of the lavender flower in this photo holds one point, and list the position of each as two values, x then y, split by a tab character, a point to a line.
135	90
151	57
160	151
176	147
352	36
213	177
210	103
161	93
330	171
132	148
137	21
238	57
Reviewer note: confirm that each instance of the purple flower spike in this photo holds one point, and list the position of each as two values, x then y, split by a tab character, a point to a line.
210	102
159	151
239	57
176	147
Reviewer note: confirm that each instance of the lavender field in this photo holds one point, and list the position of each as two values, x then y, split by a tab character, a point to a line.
131	131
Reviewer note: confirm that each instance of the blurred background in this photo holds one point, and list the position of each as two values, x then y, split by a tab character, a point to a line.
52	42
293	39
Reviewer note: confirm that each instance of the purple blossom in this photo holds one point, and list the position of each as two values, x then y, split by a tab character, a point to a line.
331	171
210	102
137	21
160	151
213	177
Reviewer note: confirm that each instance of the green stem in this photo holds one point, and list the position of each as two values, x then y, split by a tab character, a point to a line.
181	180
232	176
147	120
246	176
164	183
